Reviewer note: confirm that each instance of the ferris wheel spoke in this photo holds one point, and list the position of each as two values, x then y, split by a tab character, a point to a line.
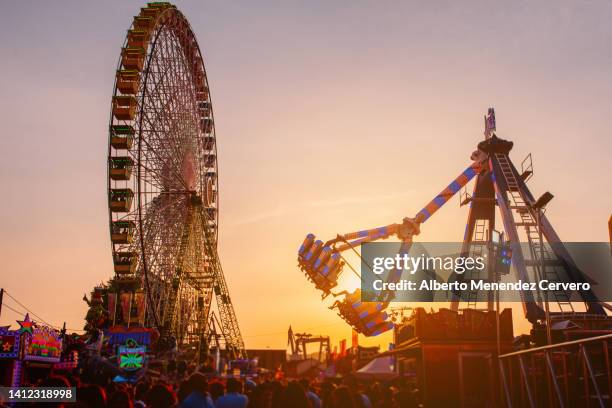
186	98
162	234
162	138
157	138
166	170
160	119
168	61
159	217
153	177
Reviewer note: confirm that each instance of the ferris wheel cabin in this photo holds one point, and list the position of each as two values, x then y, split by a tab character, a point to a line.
124	107
210	161
121	199
121	167
143	23
122	232
207	124
122	137
125	263
133	58
138	39
204	108
209	143
128	81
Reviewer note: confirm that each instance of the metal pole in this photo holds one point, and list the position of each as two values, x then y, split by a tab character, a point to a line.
506	390
526	381
497	309
589	367
542	273
1	299
553	376
497	324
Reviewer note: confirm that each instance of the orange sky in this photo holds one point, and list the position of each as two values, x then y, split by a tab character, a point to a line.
330	118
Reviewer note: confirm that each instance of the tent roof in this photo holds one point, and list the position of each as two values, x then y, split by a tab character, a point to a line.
379	368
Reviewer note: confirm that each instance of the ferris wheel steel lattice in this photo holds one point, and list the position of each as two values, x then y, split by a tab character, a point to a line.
162	179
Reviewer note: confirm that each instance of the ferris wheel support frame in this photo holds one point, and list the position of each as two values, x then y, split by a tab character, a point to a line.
168	242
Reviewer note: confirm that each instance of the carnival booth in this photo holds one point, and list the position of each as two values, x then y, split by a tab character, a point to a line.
116	320
9	356
31	352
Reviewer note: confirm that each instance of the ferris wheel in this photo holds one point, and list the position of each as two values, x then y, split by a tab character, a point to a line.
162	179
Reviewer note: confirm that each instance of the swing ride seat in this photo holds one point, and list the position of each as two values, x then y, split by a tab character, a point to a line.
368	318
321	264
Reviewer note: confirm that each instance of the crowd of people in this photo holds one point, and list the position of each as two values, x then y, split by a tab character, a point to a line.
202	390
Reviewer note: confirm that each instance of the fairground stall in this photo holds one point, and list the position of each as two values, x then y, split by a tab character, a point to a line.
40	349
9	355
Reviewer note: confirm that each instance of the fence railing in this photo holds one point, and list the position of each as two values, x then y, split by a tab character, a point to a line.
570	374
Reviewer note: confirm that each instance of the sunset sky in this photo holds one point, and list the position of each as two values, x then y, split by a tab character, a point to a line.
330	117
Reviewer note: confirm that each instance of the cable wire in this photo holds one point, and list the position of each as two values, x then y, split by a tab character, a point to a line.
29	311
33	314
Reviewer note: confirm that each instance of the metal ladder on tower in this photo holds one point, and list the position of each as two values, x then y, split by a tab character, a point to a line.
541	257
476	250
544	258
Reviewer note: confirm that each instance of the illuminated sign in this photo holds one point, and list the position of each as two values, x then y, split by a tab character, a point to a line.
9	343
44	344
119	335
131	356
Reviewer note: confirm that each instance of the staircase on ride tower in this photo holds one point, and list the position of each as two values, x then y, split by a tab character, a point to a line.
543	264
478	232
478	248
500	188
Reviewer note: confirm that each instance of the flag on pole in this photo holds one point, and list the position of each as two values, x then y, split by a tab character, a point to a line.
141	305
126	303
112	307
